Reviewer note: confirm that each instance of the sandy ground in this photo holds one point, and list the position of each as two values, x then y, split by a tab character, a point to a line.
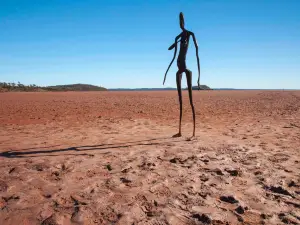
108	158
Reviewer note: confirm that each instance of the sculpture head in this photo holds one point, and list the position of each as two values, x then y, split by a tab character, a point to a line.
181	21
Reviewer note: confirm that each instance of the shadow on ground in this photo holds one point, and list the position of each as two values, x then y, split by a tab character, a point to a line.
38	152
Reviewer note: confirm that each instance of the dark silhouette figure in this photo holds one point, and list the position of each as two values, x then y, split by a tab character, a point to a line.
184	38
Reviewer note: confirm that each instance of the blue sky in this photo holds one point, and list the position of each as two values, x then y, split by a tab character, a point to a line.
242	44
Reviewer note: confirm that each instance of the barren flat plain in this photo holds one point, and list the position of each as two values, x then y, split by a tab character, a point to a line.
109	158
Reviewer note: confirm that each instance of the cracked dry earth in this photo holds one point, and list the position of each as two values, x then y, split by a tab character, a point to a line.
108	158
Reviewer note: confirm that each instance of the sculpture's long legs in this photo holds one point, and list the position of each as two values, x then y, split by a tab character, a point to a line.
178	81
189	83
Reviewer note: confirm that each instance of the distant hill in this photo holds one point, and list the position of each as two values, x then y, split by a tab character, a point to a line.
202	87
75	87
13	87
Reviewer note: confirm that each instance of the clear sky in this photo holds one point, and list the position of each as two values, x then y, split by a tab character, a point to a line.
118	43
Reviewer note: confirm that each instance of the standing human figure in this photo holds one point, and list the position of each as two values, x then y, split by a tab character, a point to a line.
184	38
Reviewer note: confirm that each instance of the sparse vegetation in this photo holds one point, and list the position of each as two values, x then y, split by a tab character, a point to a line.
4	87
8	87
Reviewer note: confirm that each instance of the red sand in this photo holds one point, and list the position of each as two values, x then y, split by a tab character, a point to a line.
55	149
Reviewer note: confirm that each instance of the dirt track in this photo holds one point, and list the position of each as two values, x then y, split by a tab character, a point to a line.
57	149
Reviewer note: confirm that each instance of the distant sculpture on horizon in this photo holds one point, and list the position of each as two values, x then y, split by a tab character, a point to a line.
184	38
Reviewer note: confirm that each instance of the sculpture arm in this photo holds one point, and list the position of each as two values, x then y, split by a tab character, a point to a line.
198	63
171	47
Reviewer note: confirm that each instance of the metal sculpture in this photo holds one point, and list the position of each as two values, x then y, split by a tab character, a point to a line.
184	38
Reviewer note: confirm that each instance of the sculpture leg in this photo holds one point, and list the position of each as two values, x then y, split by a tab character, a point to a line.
178	81
189	83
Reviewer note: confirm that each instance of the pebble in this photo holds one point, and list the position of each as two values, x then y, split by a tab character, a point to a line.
202	218
229	199
240	210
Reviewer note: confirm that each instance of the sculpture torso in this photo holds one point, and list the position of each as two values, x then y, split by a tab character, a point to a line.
184	44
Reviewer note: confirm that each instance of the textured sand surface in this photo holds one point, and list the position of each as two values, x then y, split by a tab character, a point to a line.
108	158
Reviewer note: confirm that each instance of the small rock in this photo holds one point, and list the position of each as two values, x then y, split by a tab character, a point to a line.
202	218
126	170
240	219
292	184
150	213
47	195
240	210
279	190
287	170
219	222
119	215
232	172
56	173
108	167
229	199
265	216
124	180
12	170
257	173
218	171
63	167
174	160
